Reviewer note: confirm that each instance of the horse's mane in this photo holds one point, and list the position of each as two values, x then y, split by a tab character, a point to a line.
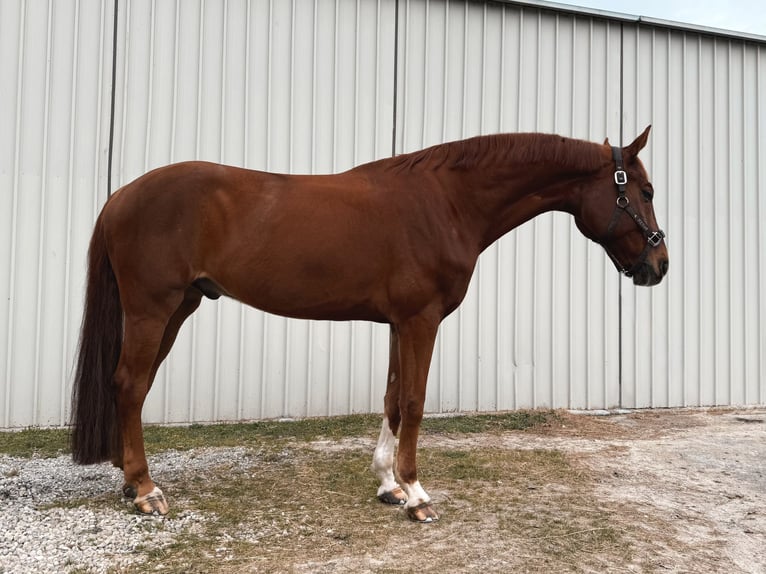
504	149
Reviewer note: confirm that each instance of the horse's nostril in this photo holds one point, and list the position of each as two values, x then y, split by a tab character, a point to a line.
664	266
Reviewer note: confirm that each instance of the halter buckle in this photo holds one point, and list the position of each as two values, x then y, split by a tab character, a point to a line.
620	177
655	238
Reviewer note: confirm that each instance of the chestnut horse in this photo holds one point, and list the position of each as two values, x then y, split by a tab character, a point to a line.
393	241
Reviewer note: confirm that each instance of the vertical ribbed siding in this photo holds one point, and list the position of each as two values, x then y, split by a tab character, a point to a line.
539	325
301	87
698	338
309	86
53	125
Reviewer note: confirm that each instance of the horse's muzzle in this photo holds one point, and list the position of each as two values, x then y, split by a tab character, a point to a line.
647	274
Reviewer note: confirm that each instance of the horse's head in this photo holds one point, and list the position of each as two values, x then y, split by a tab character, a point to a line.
616	212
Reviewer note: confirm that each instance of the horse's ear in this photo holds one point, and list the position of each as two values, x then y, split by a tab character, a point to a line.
606	141
639	143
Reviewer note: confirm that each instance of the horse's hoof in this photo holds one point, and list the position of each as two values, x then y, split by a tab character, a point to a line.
153	503
396	496
423	513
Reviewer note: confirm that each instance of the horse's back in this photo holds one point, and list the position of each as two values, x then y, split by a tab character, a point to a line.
305	246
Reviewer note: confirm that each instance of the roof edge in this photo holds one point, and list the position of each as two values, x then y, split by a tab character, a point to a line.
637	19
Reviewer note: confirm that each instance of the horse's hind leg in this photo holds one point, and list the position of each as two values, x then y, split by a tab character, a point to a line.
143	337
383	460
192	298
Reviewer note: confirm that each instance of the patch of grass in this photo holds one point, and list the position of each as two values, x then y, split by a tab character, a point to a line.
305	500
53	442
500	422
464	465
566	529
45	443
540	503
310	511
160	438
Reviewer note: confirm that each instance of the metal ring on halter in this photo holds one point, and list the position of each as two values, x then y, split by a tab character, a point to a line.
623	201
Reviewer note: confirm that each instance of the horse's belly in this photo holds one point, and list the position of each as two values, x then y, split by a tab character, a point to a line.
309	296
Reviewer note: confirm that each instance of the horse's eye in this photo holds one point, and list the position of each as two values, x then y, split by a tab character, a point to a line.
647	193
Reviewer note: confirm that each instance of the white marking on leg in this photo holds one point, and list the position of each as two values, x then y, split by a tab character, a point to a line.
416	494
383	459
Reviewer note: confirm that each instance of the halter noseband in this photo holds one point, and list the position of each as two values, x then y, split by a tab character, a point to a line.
653	238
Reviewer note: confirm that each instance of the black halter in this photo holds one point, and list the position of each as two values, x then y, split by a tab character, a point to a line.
653	238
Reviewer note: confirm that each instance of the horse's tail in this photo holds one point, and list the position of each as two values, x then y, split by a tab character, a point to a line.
94	413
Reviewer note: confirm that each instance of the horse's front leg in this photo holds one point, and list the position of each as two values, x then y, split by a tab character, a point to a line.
416	343
389	491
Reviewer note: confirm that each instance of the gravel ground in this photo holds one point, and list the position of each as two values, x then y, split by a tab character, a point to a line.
45	528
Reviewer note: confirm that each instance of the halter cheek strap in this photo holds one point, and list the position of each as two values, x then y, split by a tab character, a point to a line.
653	238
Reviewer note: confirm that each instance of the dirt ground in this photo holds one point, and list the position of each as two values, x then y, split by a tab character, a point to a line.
659	491
648	491
687	488
651	491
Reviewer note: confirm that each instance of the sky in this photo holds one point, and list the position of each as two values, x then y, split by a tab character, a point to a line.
736	15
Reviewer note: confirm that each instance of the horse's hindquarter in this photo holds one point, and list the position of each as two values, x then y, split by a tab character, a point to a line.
318	247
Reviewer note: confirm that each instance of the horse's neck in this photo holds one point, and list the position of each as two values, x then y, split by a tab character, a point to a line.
507	202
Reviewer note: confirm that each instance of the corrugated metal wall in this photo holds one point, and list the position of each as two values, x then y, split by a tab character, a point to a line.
539	326
701	338
319	86
54	129
302	87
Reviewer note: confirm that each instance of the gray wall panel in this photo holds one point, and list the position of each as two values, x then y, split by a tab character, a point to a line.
523	337
296	87
53	140
698	339
311	86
